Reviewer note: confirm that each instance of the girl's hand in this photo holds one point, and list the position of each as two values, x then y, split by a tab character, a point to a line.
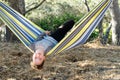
48	32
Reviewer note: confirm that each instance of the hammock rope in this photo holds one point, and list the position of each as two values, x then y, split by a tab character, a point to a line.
28	32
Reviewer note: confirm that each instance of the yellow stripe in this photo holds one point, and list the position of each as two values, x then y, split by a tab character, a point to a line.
20	24
83	30
36	26
87	15
18	36
80	33
39	28
9	24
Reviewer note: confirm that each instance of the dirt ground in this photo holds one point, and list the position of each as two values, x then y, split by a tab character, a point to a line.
91	61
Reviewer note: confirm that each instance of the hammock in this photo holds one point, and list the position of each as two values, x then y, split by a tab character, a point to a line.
28	32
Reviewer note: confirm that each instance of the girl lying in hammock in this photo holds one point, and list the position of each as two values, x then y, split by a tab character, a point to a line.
46	43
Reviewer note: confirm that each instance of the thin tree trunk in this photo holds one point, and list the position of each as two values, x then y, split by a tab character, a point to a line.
100	28
105	37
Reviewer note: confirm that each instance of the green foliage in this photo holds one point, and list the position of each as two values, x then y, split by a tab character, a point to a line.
51	22
94	35
53	13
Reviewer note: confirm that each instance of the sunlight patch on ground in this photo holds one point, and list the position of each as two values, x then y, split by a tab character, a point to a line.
86	63
11	79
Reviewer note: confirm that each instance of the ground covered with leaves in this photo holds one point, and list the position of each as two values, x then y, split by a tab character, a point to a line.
91	61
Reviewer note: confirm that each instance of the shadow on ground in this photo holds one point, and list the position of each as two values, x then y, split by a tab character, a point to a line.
86	62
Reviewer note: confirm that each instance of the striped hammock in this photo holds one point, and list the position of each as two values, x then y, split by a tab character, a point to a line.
28	32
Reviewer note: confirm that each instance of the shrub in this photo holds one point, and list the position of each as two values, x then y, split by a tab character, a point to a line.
52	22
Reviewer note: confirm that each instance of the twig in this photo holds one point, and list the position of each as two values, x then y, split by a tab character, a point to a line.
35	7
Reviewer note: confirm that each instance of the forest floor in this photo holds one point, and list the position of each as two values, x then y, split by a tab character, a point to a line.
90	61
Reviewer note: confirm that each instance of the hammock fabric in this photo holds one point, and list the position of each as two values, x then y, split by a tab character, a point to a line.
28	32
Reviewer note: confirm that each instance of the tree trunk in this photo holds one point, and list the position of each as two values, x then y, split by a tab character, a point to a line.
100	28
105	37
115	14
18	5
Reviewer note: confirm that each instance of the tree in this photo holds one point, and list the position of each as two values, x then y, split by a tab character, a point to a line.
18	5
35	6
115	14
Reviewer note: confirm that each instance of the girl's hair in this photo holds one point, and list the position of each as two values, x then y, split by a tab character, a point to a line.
37	67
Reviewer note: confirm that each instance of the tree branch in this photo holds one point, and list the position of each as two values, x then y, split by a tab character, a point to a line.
35	6
86	3
30	5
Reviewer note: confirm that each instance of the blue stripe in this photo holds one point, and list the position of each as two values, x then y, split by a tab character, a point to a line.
79	28
22	20
85	38
14	31
17	27
96	22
